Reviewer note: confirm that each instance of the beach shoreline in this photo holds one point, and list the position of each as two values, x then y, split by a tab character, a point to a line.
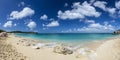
40	50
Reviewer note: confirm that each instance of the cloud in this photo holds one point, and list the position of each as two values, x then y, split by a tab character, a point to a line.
97	28
79	11
21	4
15	24
51	19
113	21
8	24
111	10
44	17
89	21
93	27
117	4
67	31
66	4
100	4
92	1
31	25
22	14
52	24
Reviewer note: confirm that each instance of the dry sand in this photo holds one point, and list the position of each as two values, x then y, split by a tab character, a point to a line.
108	50
40	54
25	46
8	52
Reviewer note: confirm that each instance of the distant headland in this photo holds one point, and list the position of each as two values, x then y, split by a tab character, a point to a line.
18	32
23	32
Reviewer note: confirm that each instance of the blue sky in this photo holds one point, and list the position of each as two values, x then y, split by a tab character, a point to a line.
60	16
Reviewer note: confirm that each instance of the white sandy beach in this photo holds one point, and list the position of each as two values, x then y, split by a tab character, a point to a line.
33	50
40	54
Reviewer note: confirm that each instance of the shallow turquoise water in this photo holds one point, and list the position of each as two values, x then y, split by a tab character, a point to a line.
69	37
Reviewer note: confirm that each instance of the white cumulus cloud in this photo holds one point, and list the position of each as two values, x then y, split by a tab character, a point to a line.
52	24
89	21
31	25
44	17
97	28
117	4
111	10
92	1
100	4
8	24
21	14
79	11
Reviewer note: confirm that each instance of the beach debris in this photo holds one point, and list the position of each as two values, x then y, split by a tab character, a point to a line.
110	50
62	50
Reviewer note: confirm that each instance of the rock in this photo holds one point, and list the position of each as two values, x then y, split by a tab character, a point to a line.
36	47
109	50
17	43
3	34
28	44
62	50
116	32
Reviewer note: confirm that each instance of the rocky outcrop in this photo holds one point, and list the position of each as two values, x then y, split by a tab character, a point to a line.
117	32
3	34
62	50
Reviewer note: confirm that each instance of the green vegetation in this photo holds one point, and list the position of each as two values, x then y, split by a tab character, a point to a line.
1	30
23	32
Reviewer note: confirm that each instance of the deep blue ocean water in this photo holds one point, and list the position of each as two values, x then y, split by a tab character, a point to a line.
69	37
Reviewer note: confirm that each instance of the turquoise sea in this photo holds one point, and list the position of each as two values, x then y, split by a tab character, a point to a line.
69	37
